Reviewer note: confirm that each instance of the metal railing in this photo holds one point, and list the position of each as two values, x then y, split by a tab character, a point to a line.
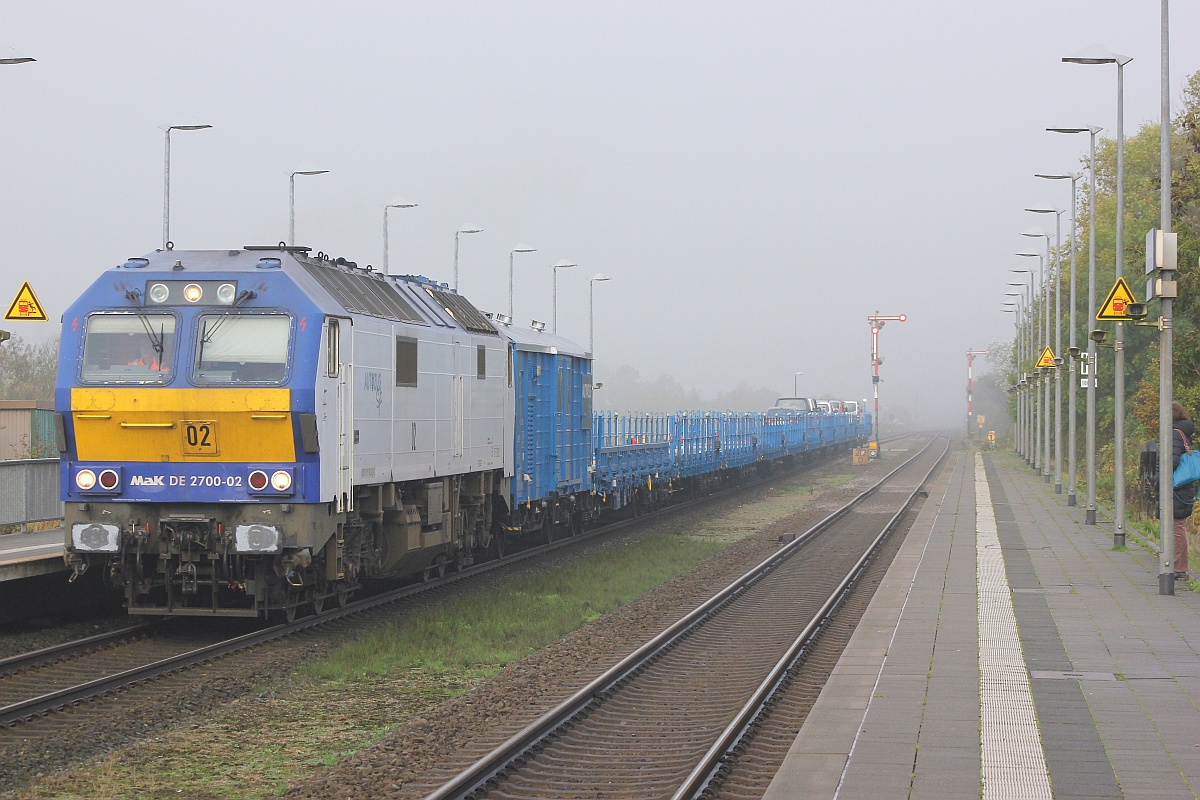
29	491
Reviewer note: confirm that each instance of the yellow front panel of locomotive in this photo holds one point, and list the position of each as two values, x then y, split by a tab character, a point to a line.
147	424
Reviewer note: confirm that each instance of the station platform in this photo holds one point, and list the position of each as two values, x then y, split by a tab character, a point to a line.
1009	653
25	555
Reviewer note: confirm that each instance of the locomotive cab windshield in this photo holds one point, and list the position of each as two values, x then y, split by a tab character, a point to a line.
242	348
128	348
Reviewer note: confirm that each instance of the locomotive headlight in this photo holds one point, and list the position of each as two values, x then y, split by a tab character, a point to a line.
225	293
281	481
85	479
159	293
192	293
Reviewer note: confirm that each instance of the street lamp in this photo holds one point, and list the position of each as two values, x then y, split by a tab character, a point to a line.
166	168
1030	427
796	384
1166	557
1015	310
1090	438
1046	271
464	228
1041	447
1096	54
599	276
1058	353
1023	352
17	60
391	205
292	200
1015	305
1073	348
554	296
521	248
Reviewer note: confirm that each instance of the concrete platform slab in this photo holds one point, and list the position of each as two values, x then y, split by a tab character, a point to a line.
1112	667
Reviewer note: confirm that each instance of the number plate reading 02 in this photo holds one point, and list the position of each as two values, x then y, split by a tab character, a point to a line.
199	438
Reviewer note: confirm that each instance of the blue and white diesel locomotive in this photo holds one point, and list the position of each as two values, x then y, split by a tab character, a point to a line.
263	429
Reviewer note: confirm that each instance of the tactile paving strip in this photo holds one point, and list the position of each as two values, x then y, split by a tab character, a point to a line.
1012	758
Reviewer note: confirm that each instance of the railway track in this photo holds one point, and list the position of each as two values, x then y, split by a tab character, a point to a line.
40	683
665	720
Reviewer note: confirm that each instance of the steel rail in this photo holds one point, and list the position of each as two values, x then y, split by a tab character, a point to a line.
506	754
43	704
717	756
22	661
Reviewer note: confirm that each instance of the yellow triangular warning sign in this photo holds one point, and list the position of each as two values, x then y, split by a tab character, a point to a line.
1047	359
1114	305
26	306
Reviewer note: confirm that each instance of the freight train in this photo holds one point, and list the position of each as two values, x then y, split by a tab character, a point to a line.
265	429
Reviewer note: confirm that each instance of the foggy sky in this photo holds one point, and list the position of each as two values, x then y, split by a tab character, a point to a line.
755	178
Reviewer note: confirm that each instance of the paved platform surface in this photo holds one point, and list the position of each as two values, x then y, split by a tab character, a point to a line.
1109	667
23	555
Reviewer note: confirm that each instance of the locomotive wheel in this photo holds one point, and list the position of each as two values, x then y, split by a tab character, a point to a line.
498	545
342	596
548	529
318	602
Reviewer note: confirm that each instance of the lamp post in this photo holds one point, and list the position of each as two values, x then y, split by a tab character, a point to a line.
1028	448
1098	55
599	276
796	384
1073	347
554	295
292	200
389	206
1090	438
464	228
1042	428
1058	354
166	167
519	248
1014	306
1018	307
1166	566
1015	310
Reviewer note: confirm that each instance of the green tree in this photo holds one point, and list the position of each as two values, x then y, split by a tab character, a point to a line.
1142	184
27	369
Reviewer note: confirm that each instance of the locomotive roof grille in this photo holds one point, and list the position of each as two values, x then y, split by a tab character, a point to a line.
360	292
463	312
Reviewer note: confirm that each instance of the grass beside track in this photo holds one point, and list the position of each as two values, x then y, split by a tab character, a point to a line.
333	707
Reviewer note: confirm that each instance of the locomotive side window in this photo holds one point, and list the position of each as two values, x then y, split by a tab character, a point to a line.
128	348
242	348
406	361
480	362
332	355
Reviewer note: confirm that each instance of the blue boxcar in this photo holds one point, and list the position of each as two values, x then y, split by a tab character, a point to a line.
552	442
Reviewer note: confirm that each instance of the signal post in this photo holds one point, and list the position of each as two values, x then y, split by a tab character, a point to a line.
877	320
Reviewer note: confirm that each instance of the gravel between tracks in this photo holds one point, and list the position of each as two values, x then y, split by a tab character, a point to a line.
206	713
